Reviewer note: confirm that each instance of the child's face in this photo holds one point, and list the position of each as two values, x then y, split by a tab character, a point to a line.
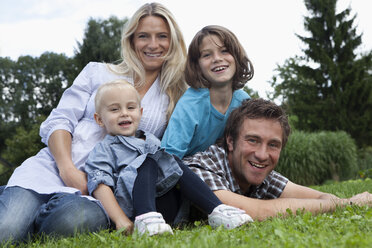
119	112
216	63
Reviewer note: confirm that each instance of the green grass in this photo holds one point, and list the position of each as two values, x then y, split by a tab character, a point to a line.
346	227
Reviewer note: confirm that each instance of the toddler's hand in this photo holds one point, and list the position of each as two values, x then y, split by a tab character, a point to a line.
126	225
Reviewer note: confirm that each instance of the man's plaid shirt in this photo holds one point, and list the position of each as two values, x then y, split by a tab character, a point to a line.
213	168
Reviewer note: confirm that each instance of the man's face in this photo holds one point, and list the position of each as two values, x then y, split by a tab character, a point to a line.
255	152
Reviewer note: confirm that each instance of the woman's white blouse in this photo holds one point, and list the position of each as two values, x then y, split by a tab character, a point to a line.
75	113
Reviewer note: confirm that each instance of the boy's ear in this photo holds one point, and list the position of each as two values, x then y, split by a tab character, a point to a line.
98	119
230	143
141	110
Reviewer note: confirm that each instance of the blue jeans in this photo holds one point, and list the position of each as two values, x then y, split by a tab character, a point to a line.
24	213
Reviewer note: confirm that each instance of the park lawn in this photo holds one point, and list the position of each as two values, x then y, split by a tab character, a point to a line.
346	227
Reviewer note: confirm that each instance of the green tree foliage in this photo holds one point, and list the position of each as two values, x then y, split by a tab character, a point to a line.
330	86
6	68
252	93
101	41
31	87
23	144
58	72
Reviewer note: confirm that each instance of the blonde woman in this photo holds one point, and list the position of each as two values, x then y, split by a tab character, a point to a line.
48	192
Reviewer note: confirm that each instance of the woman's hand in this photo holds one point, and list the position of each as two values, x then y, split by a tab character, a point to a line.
74	178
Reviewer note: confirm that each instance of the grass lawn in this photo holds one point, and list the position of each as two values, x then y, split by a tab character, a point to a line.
346	227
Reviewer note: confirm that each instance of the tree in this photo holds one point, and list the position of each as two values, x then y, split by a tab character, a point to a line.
330	86
252	93
31	87
6	70
58	72
23	144
101	42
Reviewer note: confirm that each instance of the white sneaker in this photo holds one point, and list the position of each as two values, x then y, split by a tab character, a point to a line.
151	223
228	216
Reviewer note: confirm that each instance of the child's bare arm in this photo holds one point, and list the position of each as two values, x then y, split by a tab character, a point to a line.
105	195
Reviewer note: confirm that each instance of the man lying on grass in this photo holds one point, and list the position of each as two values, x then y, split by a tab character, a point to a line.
241	171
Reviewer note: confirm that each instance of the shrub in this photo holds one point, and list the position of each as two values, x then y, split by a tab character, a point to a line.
313	158
365	162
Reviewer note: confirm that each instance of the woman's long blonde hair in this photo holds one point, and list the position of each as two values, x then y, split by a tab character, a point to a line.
172	73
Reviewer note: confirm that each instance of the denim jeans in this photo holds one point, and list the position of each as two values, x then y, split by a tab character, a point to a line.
24	213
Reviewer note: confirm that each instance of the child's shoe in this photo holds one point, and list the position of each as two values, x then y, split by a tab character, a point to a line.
151	223
228	216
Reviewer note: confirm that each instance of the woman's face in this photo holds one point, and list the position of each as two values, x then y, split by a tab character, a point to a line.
151	42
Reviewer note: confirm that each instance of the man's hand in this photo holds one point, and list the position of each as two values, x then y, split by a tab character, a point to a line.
362	199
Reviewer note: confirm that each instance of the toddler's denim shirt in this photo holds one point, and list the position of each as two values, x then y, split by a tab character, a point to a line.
115	160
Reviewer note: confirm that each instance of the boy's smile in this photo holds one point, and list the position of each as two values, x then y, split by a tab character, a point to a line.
120	111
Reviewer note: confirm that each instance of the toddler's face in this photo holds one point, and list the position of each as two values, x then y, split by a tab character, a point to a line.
120	111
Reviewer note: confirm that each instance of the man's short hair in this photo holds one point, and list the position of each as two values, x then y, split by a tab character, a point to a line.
255	109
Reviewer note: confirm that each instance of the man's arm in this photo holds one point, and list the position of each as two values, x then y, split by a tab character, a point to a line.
293	190
261	209
294	197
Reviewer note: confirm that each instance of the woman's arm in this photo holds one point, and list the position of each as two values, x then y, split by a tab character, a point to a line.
104	194
60	146
56	130
72	105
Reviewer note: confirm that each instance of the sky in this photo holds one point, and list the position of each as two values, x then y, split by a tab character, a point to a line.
265	28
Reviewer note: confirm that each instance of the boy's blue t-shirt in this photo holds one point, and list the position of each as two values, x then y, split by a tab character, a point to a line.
195	124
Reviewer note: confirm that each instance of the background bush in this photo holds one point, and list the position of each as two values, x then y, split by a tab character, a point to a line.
365	162
313	158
